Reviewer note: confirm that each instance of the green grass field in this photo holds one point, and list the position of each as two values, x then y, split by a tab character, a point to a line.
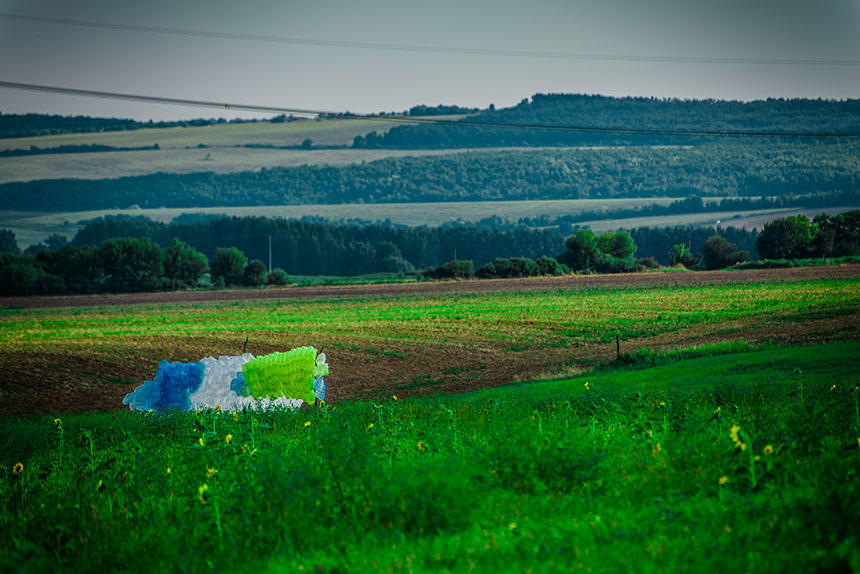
723	459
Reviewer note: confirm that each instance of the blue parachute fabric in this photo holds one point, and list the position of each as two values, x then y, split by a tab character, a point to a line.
171	386
178	381
238	385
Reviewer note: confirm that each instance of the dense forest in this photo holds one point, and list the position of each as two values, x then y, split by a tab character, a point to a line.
739	170
623	114
307	248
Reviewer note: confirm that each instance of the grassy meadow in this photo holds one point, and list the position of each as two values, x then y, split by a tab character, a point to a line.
716	442
725	458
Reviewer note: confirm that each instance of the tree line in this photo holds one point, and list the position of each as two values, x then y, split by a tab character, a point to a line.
121	254
33	125
83	148
311	248
714	170
771	115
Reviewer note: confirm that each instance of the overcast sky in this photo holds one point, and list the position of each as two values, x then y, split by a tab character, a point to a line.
754	49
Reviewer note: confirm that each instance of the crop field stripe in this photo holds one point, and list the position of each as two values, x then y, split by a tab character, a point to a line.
408	343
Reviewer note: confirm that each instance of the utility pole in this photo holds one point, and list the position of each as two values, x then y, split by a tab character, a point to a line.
270	253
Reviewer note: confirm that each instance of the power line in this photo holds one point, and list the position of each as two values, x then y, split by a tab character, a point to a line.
430	49
423	120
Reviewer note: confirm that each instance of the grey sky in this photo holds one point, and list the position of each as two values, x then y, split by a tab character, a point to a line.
363	80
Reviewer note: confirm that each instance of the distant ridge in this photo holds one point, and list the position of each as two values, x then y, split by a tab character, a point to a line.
600	116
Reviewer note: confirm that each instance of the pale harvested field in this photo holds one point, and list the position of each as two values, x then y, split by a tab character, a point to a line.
324	132
226	159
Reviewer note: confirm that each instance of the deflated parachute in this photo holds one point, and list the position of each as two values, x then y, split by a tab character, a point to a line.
283	379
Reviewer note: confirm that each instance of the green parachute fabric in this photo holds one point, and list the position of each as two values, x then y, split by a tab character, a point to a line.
288	374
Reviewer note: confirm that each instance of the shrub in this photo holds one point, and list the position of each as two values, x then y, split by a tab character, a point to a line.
550	266
184	266
611	252
451	270
719	253
509	268
229	266
792	237
277	277
648	263
680	255
254	274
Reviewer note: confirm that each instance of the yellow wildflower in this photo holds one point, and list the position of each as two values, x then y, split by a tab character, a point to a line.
228	439
586	385
197	413
736	439
421	446
768	449
734	433
202	490
717	410
235	415
512	526
256	422
723	480
217	408
18	468
244	448
210	472
169	470
307	424
657	447
394	397
200	440
58	423
370	426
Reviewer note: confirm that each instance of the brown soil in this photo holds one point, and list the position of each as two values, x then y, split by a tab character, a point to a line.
45	382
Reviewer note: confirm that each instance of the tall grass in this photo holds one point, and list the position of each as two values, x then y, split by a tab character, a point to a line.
708	461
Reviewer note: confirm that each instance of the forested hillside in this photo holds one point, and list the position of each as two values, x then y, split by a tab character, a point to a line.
650	114
740	169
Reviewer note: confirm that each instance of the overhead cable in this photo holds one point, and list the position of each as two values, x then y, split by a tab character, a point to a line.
432	49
